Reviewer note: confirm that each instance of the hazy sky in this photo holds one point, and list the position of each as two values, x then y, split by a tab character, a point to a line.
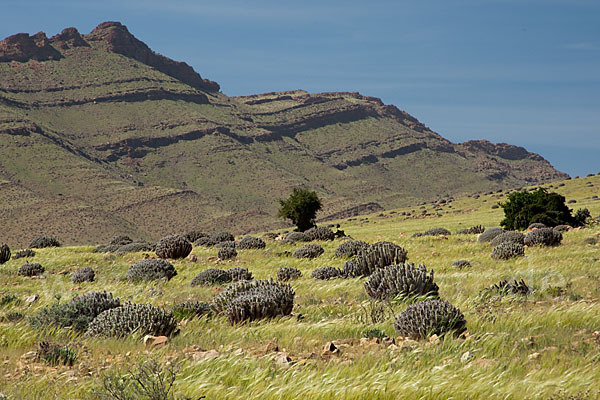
525	72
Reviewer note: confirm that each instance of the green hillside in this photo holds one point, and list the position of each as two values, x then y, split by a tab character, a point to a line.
99	135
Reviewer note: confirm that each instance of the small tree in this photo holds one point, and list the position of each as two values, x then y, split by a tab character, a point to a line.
524	208
301	207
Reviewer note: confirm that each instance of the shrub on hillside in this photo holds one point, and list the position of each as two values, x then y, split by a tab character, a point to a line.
515	287
474	230
301	208
524	208
239	274
30	269
508	250
191	309
227	253
489	234
434	232
26	253
143	319
150	269
44	241
211	276
430	317
193	236
509	236
294	237
173	246
311	250
285	274
249	242
401	280
4	253
326	273
134	247
461	264
320	233
85	274
351	248
120	240
544	237
379	255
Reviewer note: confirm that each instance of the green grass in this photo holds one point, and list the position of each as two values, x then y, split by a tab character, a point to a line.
529	347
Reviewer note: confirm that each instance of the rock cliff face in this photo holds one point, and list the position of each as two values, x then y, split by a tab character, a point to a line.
100	136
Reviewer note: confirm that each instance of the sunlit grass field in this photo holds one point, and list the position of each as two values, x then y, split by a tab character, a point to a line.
540	346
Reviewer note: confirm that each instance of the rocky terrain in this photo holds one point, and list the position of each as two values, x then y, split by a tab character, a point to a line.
100	135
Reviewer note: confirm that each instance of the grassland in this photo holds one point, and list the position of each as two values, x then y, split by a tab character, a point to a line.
542	345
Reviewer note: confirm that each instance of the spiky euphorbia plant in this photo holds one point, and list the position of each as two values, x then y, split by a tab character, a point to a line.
173	246
429	317
401	280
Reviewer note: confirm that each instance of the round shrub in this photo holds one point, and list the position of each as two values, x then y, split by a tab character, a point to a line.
150	269
193	236
543	236
489	234
134	247
437	232
252	300
26	253
508	250
226	243
320	233
515	287
285	274
145	319
30	269
219	237
430	317
120	240
227	253
4	253
85	274
107	248
294	237
191	309
44	241
249	242
461	264
509	236
562	228
379	255
326	273
350	248
401	280
173	246
77	313
239	274
536	225
205	241
311	250
211	276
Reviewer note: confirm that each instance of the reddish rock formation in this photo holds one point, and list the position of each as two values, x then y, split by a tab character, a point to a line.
119	40
68	38
22	47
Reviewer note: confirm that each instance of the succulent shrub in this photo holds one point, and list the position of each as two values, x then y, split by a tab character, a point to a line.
54	354
131	317
211	276
562	228
239	274
205	241
173	246
461	264
582	216
76	313
515	287
543	236
401	280
44	241
191	309
326	273
4	253
509	236
285	274
294	237
107	248
311	250
30	269
429	317
536	225
134	247
150	269
120	240
26	253
227	253
85	274
350	248
474	230
320	233
437	232
379	255
193	236
219	237
489	234
508	250
590	240
250	242
252	300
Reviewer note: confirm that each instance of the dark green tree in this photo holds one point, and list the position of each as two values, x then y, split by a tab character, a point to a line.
524	208
301	208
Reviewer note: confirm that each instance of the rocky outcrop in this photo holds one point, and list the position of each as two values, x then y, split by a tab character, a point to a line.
503	150
119	40
68	39
22	47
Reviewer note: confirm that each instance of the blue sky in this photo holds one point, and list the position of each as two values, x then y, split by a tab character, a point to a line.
525	72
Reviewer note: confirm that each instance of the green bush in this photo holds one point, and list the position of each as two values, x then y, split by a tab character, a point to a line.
524	208
301	208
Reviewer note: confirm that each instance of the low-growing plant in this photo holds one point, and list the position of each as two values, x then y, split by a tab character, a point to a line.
489	234
326	273
211	276
285	274
320	233
54	354
30	269
311	250
543	237
350	248
150	269
85	274
401	280
191	309
429	317
173	246
26	253
43	242
508	250
379	255
227	253
250	242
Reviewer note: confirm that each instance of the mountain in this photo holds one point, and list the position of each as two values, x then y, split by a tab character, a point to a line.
99	135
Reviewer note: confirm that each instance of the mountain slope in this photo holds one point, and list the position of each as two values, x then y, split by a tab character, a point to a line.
99	135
